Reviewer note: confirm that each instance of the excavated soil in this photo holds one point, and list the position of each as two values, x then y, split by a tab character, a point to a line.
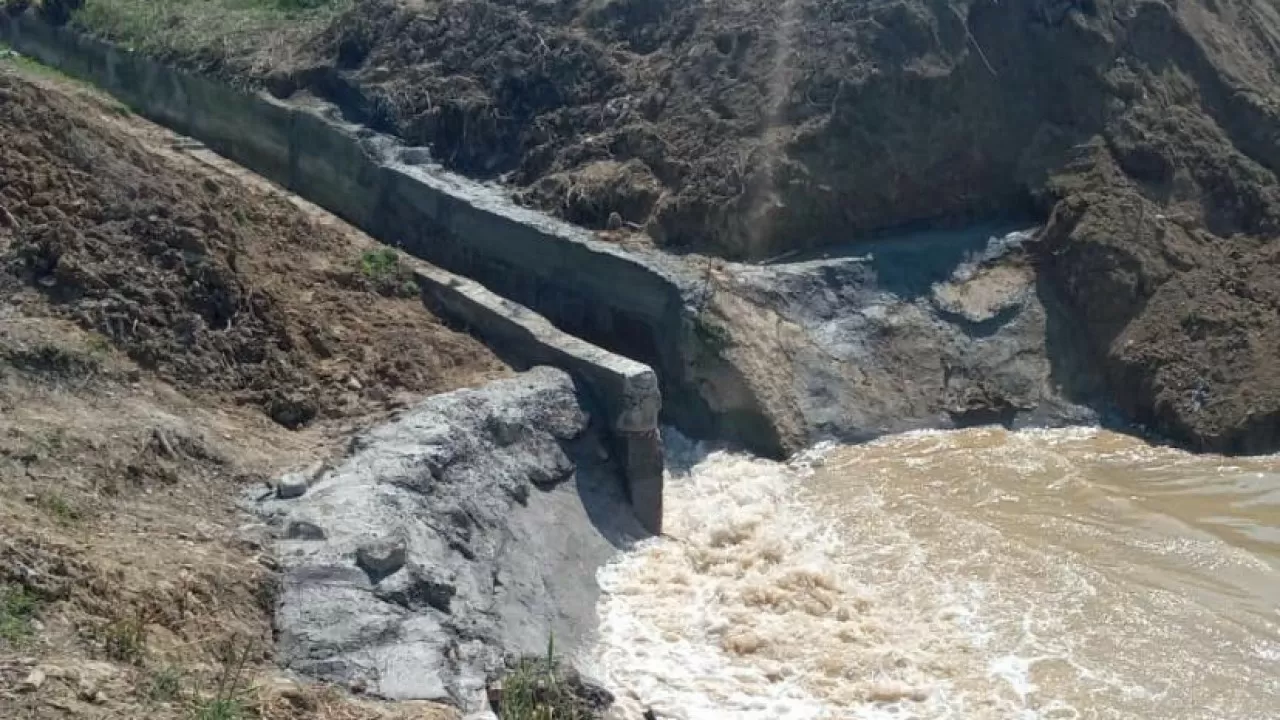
212	287
166	322
1143	129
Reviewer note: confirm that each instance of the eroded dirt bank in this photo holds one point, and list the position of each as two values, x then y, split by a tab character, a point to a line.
165	324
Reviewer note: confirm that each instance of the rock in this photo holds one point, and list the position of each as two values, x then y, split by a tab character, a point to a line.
303	530
476	520
88	691
482	715
293	693
381	558
292	485
416	589
33	681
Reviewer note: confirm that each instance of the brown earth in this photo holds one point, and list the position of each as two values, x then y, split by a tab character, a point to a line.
1144	129
165	321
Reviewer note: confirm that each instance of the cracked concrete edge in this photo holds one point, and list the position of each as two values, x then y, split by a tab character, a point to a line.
626	390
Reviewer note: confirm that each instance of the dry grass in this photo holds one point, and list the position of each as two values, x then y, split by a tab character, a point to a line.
266	32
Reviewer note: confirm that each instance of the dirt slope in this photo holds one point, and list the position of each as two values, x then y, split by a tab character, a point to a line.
750	127
208	285
159	313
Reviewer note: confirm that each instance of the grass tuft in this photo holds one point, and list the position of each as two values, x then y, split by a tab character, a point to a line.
380	264
17	610
164	685
229	699
536	689
57	506
229	708
125	640
390	276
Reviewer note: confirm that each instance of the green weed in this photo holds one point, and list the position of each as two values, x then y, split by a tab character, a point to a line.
125	640
164	685
27	65
57	506
535	689
17	610
224	27
380	264
229	700
220	709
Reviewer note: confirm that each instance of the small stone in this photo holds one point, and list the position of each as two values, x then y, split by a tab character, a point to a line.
354	383
33	681
88	691
493	694
381	558
293	693
292	485
615	221
303	530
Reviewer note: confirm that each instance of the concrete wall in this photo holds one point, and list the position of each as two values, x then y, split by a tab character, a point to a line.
626	390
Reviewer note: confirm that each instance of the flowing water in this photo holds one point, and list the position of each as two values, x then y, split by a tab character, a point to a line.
970	574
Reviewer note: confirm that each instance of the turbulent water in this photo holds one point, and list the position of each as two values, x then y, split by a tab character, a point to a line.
974	574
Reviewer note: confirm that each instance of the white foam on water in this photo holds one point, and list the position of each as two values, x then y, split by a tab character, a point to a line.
975	575
755	608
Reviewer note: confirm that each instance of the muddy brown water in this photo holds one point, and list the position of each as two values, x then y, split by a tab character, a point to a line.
974	574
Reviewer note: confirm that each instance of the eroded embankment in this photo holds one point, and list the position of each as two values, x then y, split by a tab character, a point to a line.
163	320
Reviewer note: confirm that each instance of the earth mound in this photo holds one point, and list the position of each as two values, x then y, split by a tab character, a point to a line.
211	286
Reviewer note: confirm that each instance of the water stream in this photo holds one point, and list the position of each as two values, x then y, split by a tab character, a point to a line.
972	574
